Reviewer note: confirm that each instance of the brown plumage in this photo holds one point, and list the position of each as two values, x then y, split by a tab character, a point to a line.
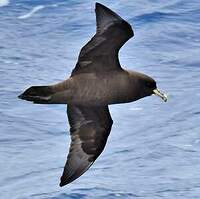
97	81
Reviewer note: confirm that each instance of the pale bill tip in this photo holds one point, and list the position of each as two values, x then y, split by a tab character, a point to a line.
163	96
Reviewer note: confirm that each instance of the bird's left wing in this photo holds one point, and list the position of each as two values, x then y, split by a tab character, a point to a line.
100	54
90	128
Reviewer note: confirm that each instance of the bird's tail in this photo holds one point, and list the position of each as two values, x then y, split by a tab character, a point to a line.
38	94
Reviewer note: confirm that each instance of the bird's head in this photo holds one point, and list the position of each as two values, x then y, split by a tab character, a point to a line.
148	87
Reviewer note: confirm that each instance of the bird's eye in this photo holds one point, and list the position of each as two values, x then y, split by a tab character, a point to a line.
151	84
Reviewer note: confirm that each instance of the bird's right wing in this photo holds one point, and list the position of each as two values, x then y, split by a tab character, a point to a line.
90	128
100	54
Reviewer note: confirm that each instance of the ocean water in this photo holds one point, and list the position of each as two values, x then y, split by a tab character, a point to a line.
153	151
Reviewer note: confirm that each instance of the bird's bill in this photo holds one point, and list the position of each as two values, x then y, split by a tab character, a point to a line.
160	94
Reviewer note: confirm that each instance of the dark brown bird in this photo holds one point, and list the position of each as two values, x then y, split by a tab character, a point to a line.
97	81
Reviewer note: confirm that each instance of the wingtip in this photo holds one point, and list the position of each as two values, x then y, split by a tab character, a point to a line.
97	4
105	16
62	184
64	181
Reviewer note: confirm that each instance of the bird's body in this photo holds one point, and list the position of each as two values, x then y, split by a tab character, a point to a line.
97	89
109	88
97	81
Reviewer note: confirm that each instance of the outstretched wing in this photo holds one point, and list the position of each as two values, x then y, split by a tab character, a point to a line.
90	128
101	52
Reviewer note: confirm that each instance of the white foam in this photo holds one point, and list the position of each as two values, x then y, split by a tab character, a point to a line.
136	109
4	3
33	11
54	5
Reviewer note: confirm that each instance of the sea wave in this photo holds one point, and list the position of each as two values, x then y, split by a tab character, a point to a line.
33	11
4	3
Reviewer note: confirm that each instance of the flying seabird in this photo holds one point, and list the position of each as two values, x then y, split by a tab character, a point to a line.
97	81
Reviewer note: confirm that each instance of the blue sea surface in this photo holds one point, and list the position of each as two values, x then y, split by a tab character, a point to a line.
153	151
